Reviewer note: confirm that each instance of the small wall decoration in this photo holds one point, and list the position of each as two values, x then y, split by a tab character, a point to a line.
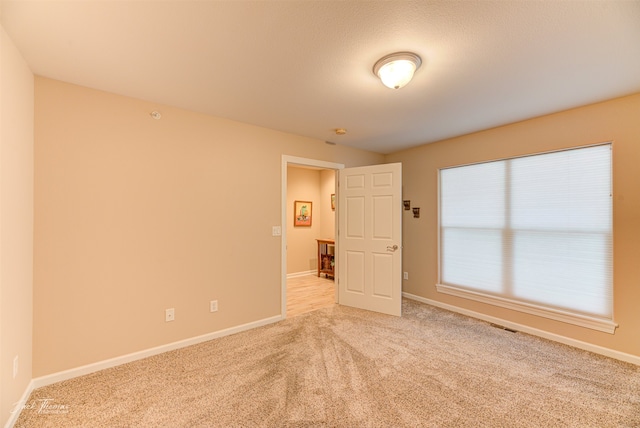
302	213
333	202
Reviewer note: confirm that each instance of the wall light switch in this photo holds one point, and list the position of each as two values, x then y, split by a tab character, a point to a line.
276	231
169	314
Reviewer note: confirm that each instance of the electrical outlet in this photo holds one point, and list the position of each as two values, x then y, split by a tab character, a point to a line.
169	314
213	306
15	366
406	275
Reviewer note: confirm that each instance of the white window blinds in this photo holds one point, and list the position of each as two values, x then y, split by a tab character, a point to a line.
532	234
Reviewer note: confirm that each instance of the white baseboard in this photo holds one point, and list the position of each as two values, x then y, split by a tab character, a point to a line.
19	405
629	358
305	273
112	362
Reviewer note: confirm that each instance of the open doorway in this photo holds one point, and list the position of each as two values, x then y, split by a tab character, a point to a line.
312	182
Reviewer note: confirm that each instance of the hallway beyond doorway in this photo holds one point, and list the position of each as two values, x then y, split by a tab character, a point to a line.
308	293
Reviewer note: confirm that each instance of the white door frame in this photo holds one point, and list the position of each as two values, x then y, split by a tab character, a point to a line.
286	162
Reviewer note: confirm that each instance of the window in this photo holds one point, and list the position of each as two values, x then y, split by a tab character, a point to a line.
532	234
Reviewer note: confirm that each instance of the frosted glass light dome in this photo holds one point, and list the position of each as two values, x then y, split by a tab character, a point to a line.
397	69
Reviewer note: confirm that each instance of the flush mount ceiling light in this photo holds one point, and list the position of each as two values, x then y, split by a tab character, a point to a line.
396	69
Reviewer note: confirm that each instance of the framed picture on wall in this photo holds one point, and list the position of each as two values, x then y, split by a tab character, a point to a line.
333	202
302	213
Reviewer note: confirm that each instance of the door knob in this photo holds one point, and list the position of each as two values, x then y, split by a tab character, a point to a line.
392	249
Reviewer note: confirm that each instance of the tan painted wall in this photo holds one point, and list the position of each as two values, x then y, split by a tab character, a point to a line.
316	186
303	185
327	187
616	120
16	223
136	215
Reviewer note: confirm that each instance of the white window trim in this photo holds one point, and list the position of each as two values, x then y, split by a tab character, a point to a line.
581	320
593	323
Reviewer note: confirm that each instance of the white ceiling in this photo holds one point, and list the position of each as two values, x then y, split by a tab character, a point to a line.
305	67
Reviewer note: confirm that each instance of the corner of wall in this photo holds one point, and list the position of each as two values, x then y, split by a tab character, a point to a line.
16	228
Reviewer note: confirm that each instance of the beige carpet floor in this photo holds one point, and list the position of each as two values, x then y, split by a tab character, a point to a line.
343	367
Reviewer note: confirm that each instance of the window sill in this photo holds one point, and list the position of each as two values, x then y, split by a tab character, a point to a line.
606	326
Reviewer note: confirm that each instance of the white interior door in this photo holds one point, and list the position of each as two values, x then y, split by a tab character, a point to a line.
370	238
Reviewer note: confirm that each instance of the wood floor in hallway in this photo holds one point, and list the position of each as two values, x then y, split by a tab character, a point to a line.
309	293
